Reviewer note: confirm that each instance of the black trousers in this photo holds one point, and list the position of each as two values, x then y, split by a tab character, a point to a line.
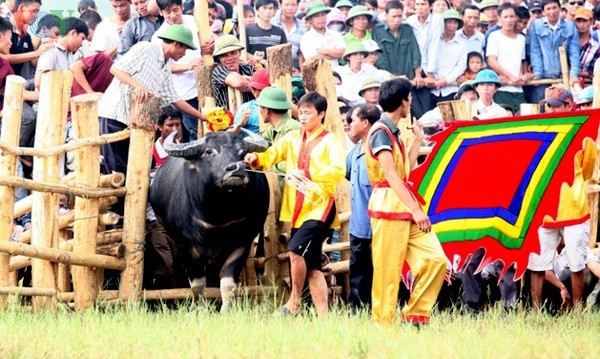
361	272
115	154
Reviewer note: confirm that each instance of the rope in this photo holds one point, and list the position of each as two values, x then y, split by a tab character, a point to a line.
303	185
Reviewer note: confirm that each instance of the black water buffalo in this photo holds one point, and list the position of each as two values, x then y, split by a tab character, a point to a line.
211	206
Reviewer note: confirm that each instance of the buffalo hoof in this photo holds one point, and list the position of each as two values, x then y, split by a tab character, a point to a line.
198	285
227	288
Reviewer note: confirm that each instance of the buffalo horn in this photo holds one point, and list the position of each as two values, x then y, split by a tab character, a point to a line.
190	149
254	143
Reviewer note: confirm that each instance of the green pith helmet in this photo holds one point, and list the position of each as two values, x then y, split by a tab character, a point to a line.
453	15
179	33
355	48
369	83
487	76
484	4
225	44
357	11
342	3
315	8
274	98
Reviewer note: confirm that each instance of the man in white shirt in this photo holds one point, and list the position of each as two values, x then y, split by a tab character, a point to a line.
505	54
474	38
319	41
106	36
451	59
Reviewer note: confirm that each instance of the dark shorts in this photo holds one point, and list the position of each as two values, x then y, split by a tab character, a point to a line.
307	240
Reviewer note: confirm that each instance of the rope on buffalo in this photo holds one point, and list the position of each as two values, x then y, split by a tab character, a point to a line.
302	184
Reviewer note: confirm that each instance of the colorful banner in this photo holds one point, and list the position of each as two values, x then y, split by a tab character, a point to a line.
489	183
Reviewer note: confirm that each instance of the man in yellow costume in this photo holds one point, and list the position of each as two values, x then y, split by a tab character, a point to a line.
401	230
316	155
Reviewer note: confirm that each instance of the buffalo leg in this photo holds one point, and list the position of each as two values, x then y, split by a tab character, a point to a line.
231	269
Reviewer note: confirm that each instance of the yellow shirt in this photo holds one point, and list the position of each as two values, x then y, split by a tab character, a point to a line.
322	157
384	203
573	207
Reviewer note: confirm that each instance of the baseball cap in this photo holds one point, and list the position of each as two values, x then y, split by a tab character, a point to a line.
260	79
583	13
557	96
535	5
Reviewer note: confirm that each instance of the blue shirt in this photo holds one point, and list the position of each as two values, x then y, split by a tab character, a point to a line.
252	123
544	44
360	192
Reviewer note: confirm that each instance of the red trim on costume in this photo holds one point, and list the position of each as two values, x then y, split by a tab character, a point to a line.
381	126
570	222
409	186
390	216
415	319
326	213
304	164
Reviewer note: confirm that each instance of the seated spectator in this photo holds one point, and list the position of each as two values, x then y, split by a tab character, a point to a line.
373	49
486	84
169	121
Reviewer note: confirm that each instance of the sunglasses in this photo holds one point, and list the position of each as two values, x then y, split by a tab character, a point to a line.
580	3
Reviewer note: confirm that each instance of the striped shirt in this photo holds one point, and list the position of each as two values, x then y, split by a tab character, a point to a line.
146	63
220	88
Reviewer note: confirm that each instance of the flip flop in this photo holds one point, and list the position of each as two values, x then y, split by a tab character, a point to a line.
285	312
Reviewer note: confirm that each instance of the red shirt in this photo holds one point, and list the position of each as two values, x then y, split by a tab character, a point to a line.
5	70
98	74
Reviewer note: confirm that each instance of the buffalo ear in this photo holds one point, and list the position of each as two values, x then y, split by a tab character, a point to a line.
186	150
254	143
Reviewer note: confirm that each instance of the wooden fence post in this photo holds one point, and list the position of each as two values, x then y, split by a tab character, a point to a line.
11	122
55	91
85	227
280	70
206	99
142	123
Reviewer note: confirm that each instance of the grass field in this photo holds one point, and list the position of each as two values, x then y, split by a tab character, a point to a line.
257	333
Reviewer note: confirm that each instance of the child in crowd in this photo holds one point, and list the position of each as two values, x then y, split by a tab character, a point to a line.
311	154
474	65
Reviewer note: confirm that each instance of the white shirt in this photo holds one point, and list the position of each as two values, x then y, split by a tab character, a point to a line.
427	35
185	82
106	36
482	112
352	81
312	40
475	42
450	63
509	52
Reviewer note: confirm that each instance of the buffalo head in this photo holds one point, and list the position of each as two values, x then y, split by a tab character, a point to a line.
218	156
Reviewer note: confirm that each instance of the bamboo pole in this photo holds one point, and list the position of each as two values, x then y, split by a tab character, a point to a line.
242	30
59	256
56	188
564	65
11	122
318	77
113	180
64	148
63	271
143	119
85	113
336	268
206	99
55	91
66	219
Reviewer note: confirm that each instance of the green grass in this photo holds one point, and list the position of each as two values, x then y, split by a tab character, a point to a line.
257	333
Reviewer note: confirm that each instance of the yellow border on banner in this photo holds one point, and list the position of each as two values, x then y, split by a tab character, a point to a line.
508	229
